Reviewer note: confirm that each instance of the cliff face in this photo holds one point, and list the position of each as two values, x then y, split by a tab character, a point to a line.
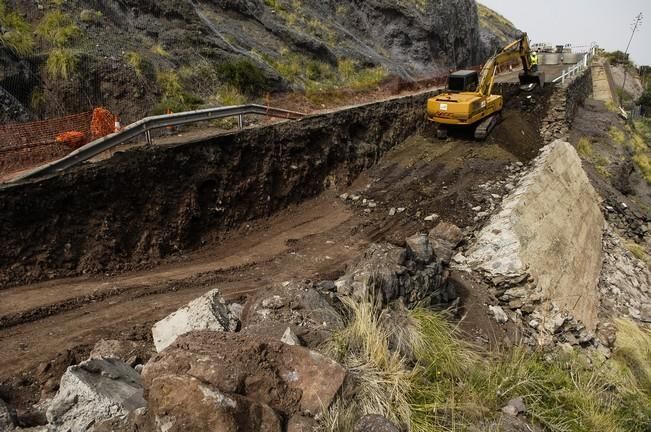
131	53
495	30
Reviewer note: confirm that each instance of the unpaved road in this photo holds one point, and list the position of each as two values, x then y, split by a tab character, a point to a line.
44	327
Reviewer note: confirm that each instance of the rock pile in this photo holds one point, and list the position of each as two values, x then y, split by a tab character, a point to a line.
296	305
417	274
563	104
625	282
632	224
212	381
248	368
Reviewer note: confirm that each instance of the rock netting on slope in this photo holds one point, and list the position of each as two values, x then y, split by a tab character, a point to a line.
544	247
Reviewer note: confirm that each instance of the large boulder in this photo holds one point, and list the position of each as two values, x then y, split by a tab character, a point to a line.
289	379
181	403
548	236
208	312
95	390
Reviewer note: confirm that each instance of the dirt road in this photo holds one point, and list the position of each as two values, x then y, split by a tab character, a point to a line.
47	326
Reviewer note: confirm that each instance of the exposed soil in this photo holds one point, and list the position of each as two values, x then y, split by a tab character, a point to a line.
46	326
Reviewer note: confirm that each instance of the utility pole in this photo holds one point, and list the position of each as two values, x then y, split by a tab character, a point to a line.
636	24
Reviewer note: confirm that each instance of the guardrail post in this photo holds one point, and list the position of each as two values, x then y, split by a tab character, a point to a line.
240	121
148	137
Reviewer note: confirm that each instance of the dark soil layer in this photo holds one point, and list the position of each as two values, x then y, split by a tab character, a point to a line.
146	204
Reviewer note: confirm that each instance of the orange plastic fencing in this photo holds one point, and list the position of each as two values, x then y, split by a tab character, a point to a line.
25	145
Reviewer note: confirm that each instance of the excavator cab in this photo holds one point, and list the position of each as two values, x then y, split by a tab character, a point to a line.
463	81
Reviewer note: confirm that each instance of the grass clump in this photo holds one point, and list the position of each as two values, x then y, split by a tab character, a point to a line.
639	252
159	50
584	148
136	61
90	16
228	96
419	374
617	135
61	63
15	31
381	377
57	29
174	97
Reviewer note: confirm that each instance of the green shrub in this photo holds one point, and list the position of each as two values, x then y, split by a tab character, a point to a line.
90	16
159	50
244	76
136	60
57	29
228	96
174	98
15	32
61	63
618	57
274	4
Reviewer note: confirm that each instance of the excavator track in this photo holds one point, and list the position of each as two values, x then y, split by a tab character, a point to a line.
487	125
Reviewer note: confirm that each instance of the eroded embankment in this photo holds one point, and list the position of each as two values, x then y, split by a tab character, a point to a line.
149	203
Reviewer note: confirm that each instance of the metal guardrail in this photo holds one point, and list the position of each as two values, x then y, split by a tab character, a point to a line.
146	125
576	70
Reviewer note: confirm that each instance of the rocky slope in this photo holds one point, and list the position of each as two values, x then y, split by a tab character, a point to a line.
135	56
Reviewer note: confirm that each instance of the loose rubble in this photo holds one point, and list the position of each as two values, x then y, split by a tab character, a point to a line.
625	281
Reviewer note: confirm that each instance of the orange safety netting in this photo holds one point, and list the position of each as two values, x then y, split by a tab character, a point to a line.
23	145
102	123
72	139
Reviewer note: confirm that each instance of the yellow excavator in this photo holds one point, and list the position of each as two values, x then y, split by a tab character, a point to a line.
468	100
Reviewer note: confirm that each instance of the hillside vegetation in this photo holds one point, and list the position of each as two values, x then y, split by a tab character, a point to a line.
143	56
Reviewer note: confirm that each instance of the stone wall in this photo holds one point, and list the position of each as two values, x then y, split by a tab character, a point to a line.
562	108
544	246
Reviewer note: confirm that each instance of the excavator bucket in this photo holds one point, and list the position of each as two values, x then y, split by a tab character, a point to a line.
530	80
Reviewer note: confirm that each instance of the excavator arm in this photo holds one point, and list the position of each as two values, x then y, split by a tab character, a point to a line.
519	49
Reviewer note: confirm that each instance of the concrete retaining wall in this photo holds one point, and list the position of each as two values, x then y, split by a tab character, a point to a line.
549	234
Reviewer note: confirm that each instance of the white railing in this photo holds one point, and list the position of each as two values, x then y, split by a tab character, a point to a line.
570	74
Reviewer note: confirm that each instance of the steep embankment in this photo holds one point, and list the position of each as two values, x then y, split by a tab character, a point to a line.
138	56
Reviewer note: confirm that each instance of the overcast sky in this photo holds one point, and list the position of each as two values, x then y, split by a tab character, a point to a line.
607	22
